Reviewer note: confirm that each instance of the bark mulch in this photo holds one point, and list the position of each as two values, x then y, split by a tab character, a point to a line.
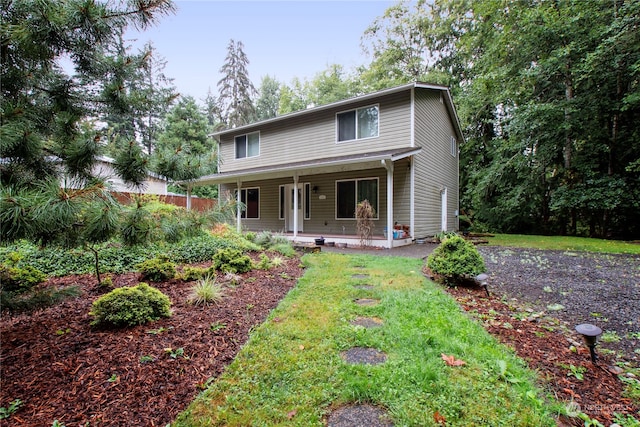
63	369
550	348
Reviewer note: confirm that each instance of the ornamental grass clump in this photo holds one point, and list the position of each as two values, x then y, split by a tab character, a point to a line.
455	260
206	291
130	306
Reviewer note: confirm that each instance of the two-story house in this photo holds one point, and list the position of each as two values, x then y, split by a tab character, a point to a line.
304	173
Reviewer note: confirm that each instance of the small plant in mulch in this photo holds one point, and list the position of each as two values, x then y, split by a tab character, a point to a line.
206	291
232	261
157	269
130	306
455	261
193	273
365	213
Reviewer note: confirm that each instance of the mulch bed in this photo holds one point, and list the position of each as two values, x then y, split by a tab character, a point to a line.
546	347
63	369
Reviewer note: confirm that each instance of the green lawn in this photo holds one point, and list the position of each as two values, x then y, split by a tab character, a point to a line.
290	372
565	243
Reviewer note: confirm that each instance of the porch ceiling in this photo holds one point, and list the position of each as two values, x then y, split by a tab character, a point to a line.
309	167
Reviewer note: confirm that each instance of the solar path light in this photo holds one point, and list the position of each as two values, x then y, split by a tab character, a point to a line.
590	333
482	279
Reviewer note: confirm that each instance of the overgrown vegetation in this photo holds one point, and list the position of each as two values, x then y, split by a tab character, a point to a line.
456	259
130	306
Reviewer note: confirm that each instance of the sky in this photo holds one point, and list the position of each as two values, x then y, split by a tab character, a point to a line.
283	39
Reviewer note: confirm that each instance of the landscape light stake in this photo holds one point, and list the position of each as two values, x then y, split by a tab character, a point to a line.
590	333
482	279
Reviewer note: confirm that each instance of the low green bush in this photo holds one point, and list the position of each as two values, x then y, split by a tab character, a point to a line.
231	261
455	259
130	306
193	273
157	269
19	279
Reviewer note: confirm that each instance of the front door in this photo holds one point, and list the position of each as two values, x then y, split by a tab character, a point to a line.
291	209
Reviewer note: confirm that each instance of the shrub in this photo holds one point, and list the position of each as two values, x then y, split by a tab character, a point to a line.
193	273
284	249
231	261
19	279
157	269
265	262
130	306
206	291
455	259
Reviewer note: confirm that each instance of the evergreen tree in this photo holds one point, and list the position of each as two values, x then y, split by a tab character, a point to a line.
268	102
235	88
47	135
184	150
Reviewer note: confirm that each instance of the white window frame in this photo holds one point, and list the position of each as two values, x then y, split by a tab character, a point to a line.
306	196
377	179
246	135
338	141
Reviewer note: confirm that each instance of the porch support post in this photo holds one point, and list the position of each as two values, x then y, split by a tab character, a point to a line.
188	197
388	164
238	209
295	206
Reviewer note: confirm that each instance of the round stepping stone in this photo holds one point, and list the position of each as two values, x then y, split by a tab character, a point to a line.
367	322
366	287
360	276
367	301
363	356
362	415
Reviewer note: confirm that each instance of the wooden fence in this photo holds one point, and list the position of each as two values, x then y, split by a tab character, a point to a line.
197	204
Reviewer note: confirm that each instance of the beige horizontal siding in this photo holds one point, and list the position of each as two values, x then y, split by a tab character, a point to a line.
313	136
436	168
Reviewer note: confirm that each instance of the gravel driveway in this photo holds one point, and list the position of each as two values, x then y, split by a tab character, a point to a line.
576	287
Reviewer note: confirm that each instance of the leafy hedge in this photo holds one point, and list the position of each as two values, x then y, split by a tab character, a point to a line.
455	259
116	257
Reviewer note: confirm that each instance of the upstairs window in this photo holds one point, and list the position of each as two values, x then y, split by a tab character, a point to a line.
358	124
248	145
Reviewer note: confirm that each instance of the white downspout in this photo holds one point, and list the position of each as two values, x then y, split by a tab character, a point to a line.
238	210
388	164
295	206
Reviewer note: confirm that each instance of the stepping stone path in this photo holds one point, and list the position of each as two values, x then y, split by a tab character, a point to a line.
359	416
362	415
367	322
367	301
363	355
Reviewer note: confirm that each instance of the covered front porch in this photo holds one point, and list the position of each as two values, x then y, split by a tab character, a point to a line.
347	240
268	200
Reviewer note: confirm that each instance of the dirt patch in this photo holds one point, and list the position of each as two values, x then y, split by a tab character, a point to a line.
63	369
